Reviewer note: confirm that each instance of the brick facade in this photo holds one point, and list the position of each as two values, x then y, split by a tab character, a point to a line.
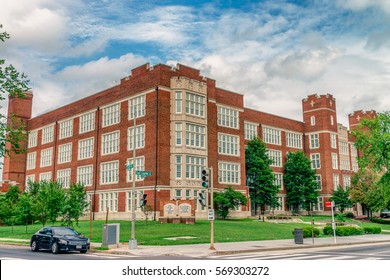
188	123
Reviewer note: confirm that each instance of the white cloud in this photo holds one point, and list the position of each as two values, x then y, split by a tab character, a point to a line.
358	5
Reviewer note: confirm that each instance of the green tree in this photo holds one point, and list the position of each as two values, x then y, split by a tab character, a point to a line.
341	199
24	210
75	204
373	140
48	200
12	83
9	205
300	183
228	200
260	178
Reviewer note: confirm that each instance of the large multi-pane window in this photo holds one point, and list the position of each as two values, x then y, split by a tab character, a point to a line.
111	115
63	176
65	153
228	173
108	201
45	176
110	143
139	137
84	175
335	163
344	156
66	129
354	162
31	160
271	135
138	166
178	164
137	198
195	105
227	117
280	206
47	134
30	178
228	144
195	136
86	147
347	181
318	181
278	180
179	133
109	172
137	107
315	161
32	138
314	141
294	140
250	131
179	102
276	157
87	122
194	166
46	157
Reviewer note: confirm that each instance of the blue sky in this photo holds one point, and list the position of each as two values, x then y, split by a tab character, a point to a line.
275	52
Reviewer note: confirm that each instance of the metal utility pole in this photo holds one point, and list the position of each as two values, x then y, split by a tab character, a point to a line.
212	209
133	241
333	222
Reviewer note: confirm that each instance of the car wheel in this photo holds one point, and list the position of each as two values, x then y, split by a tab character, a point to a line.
83	251
54	248
34	246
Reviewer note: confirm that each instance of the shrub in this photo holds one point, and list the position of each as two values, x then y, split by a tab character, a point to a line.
349	215
307	232
372	230
343	230
379	221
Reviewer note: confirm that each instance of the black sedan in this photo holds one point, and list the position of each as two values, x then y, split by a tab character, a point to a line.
59	239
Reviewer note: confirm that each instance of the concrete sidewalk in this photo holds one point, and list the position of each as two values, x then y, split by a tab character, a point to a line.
203	250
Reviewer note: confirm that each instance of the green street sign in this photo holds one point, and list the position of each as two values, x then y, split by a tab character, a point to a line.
129	166
143	173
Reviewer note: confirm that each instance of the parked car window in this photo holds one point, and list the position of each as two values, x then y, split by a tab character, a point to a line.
65	231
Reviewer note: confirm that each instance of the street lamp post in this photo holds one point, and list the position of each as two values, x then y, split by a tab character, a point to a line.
133	241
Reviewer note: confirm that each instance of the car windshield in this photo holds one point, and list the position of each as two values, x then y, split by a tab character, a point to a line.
64	231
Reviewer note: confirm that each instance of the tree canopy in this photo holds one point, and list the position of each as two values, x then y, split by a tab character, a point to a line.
300	183
260	178
228	200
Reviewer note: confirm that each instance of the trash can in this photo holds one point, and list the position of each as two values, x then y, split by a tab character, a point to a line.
298	235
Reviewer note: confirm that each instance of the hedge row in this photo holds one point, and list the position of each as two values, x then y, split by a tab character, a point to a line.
349	230
380	221
309	232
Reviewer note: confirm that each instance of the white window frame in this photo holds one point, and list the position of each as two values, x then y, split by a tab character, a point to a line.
228	144
65	153
47	134
319	206
85	175
276	157
195	105
195	136
318	180
178	134
32	139
333	140
228	117
66	129
314	141
87	122
336	181
63	176
45	176
140	137
30	178
111	115
229	173
46	157
109	172
137	105
315	160
313	120
194	167
178	102
278	180
294	140
31	160
335	163
178	166
108	200
138	166
250	130
86	148
110	143
129	199
272	135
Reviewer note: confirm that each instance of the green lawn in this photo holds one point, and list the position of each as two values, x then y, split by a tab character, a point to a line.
153	233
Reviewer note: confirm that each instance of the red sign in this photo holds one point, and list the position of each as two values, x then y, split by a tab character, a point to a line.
328	203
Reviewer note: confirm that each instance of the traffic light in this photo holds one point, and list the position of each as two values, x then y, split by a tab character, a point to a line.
202	199
143	200
205	178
